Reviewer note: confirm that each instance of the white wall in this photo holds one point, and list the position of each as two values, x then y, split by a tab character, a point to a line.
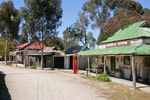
67	62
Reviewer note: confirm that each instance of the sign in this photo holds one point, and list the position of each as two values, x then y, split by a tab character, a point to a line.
115	44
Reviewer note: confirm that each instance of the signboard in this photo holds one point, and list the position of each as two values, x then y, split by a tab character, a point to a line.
122	43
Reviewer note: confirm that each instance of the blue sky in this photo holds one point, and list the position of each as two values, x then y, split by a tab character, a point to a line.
70	12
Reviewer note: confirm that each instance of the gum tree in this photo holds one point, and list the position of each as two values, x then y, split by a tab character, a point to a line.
41	18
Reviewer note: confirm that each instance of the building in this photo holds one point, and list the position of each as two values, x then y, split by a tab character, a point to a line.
127	52
48	57
22	52
82	61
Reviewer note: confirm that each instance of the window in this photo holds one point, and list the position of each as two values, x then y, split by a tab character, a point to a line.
127	60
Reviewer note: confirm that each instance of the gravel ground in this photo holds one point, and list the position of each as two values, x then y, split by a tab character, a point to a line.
36	84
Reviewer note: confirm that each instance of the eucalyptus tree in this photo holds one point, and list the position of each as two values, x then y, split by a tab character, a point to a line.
9	23
98	12
69	39
79	30
54	42
101	13
41	18
9	20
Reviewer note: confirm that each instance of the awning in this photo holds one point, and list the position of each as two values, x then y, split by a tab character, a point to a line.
39	54
13	53
122	50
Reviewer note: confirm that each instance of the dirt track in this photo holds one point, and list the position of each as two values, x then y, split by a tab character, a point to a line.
30	84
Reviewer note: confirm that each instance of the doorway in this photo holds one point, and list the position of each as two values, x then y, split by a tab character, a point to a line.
113	63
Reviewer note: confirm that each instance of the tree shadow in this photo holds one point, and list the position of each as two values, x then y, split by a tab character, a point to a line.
4	93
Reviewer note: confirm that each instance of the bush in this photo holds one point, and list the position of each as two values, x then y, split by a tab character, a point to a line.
103	77
33	67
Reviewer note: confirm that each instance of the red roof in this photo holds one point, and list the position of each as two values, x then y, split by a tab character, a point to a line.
22	46
35	46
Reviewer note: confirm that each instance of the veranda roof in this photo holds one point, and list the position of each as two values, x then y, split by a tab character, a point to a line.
122	50
48	51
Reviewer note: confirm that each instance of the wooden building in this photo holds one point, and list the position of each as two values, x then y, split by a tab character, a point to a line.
127	52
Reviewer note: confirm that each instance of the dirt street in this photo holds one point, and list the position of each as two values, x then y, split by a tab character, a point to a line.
36	84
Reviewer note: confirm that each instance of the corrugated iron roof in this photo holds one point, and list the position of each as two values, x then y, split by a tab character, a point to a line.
131	31
125	50
71	49
35	46
22	46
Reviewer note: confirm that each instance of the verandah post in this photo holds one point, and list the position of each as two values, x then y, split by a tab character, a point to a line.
133	72
104	64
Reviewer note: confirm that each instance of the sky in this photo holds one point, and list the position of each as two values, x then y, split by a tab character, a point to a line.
70	12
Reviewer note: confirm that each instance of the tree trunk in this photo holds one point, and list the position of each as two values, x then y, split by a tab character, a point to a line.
42	51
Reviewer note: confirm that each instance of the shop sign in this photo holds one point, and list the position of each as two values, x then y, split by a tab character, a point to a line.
122	43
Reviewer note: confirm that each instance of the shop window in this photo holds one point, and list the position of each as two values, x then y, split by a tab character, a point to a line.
127	60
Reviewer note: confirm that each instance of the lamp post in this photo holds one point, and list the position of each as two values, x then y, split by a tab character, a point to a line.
6	45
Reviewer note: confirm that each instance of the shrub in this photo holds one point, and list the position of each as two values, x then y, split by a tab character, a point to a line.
33	67
103	77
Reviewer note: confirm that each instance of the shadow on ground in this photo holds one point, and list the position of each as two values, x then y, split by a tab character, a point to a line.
4	93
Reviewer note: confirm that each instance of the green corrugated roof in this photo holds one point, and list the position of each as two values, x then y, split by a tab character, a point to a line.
136	50
129	32
142	50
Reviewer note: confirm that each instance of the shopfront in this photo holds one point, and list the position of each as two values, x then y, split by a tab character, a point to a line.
128	51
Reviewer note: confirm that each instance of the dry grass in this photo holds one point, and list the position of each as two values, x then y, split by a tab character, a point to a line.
121	92
114	91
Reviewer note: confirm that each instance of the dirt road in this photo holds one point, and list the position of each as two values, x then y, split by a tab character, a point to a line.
35	84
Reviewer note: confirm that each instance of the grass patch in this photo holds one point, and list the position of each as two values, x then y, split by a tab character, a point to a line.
103	77
33	67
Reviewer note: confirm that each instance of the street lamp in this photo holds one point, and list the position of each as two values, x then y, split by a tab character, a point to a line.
6	45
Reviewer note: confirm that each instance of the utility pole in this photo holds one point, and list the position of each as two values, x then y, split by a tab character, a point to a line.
6	43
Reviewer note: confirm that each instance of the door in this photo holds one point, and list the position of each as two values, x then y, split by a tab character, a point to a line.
49	62
59	62
113	63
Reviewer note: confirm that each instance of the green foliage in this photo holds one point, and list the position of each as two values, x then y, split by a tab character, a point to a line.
103	77
54	42
125	4
123	12
78	31
11	46
120	21
69	40
42	18
98	12
33	67
8	24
